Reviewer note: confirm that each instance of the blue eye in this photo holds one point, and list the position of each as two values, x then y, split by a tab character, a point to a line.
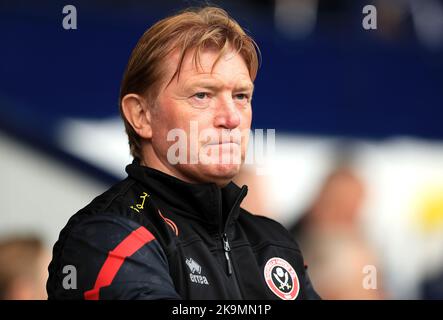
201	95
201	99
242	96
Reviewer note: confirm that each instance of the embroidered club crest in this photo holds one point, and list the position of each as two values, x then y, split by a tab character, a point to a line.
281	278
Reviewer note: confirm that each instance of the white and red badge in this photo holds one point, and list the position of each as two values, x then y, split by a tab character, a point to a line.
281	278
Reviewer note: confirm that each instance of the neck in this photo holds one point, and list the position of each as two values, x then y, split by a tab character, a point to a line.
152	160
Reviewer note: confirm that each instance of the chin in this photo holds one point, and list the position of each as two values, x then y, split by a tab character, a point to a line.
228	170
225	173
220	174
215	170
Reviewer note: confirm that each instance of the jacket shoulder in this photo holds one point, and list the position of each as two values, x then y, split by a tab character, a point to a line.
113	258
96	229
263	229
127	199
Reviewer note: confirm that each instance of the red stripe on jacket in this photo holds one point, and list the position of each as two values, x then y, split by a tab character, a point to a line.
133	242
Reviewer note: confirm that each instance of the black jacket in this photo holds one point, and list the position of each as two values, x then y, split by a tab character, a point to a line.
153	236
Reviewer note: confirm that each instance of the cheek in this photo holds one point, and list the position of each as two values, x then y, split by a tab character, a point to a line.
164	120
161	126
246	118
245	127
173	120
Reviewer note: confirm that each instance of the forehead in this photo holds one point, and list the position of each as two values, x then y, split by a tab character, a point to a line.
229	67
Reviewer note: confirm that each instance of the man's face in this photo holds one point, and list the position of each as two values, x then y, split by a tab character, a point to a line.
213	109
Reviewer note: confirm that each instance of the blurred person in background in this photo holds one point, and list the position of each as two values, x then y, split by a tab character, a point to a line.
23	269
333	242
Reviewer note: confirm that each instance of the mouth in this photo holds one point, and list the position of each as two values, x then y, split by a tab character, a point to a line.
225	152
223	143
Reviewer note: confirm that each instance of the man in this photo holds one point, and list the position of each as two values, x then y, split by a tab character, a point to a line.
174	228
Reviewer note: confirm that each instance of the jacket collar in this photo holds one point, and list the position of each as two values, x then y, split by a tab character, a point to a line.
212	205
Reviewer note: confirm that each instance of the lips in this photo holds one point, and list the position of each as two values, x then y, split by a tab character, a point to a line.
226	140
224	137
222	143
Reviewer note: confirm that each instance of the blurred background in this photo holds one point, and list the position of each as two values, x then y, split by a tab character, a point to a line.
357	172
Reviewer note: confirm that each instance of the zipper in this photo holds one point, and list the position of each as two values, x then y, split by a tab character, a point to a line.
231	273
224	233
227	248
240	197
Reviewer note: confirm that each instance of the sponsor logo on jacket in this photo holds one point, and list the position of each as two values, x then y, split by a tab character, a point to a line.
195	276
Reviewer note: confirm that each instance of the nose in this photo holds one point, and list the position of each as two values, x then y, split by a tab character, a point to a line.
227	115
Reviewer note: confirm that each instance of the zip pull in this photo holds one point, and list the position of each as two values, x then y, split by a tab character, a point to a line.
227	248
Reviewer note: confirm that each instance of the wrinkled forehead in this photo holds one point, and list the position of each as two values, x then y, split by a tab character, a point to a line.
196	63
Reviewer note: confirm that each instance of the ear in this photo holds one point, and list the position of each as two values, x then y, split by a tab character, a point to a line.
136	111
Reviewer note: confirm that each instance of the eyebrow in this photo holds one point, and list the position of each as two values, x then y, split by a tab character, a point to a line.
216	85
245	87
205	83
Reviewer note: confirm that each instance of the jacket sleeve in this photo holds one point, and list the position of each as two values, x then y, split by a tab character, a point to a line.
109	257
